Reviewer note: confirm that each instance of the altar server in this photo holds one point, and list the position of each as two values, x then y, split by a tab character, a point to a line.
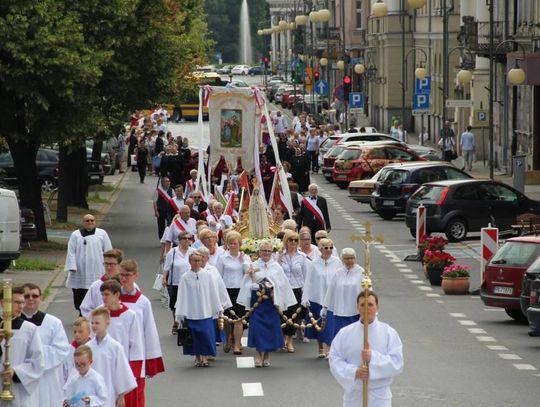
320	272
197	305
126	328
111	261
84	259
342	291
25	355
264	332
55	347
110	359
81	336
135	300
85	387
384	357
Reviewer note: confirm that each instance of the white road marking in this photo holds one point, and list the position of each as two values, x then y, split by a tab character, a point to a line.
243	362
406	271
380	247
244	341
410	276
497	347
252	389
509	356
486	339
432	295
417	281
476	330
467	323
457	315
440	301
524	366
394	260
425	288
494	309
401	265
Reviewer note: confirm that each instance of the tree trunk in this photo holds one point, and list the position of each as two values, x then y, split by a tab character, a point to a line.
24	159
72	181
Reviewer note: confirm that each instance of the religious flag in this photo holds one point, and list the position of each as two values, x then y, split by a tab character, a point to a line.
243	182
218	196
277	198
230	204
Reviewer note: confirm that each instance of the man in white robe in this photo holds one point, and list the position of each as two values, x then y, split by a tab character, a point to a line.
55	347
25	355
110	359
384	358
84	259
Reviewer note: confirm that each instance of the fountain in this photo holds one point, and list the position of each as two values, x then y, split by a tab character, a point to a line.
246	53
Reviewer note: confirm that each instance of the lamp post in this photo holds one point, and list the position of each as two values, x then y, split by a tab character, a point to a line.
419	73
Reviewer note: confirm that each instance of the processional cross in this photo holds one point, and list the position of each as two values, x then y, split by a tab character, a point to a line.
367	239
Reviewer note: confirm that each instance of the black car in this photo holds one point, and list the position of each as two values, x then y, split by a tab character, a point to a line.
257	70
533	311
532	273
28	226
457	207
47	169
394	187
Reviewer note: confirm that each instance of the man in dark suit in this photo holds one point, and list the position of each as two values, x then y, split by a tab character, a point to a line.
198	204
162	205
314	212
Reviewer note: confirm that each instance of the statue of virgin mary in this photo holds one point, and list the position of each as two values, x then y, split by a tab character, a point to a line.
258	216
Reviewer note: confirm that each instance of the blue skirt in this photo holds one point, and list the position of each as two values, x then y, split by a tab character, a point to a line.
204	337
327	334
264	332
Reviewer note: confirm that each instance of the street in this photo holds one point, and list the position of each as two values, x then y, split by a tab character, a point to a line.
457	351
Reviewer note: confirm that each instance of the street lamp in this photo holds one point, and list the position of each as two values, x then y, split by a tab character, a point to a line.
380	9
420	73
301	20
464	76
340	65
359	69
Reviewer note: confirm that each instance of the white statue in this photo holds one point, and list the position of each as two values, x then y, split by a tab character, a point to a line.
258	216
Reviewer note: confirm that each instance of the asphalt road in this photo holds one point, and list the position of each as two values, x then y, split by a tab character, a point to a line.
457	351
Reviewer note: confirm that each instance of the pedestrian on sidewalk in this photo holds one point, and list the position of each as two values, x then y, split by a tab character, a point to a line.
447	142
423	137
467	148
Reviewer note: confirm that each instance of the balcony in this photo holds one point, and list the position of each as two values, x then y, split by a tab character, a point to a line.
328	34
477	35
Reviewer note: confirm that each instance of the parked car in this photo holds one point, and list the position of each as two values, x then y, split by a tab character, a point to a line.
240	70
289	98
533	312
531	274
503	275
10	228
367	129
330	157
362	162
276	79
327	146
273	88
257	70
225	69
278	96
348	137
429	153
395	187
360	190
28	226
457	207
47	169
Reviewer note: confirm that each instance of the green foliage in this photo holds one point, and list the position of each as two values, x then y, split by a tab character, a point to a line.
32	264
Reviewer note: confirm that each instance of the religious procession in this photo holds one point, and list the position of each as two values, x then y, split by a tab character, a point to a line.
244	252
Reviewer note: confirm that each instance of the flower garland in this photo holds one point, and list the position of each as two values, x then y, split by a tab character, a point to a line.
251	246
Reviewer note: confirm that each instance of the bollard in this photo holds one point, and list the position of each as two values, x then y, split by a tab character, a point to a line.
420	224
489	242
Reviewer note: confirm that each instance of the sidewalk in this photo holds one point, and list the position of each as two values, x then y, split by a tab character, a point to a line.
55	252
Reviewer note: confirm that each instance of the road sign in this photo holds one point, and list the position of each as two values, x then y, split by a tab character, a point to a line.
356	100
459	103
321	87
481	118
420	101
308	78
338	92
422	85
419	112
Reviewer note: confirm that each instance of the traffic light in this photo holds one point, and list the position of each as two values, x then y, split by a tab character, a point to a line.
265	62
293	76
346	87
315	76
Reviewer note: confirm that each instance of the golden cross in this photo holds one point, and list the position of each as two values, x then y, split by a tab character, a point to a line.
367	239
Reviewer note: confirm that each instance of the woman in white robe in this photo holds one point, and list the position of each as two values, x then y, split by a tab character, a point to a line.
341	295
384	358
197	305
320	272
265	333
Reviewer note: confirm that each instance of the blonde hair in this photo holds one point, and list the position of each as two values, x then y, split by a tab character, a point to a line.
233	235
130	265
101	311
83	350
203	234
289	234
80	322
325	242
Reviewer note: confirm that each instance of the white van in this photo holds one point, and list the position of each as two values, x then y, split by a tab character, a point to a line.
10	228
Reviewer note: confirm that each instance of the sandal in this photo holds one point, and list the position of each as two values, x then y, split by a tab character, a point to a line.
205	364
237	351
258	363
226	348
290	349
266	363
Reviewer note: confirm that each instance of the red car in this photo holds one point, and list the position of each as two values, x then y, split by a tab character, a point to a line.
503	276
288	99
362	162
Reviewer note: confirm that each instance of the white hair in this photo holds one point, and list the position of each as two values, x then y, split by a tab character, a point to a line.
348	252
313	185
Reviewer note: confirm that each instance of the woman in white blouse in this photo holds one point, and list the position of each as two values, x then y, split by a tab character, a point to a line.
320	273
342	292
175	266
310	250
294	264
232	265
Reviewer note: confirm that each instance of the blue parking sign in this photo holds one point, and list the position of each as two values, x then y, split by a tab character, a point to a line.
356	100
420	101
422	85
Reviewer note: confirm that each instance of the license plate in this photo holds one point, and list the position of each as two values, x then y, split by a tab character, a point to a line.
503	290
344	177
94	176
388	203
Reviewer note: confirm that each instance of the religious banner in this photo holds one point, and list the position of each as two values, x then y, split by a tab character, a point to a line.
232	115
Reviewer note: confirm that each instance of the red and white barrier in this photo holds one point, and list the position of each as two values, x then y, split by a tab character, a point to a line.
420	224
489	242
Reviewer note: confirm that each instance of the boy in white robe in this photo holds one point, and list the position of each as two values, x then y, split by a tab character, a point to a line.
126	328
110	359
55	347
85	387
111	261
81	336
84	259
25	355
135	300
384	357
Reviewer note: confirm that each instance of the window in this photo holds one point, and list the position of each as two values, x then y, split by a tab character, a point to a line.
350	155
453	173
467	192
428	175
394	177
398	154
359	15
515	254
376	154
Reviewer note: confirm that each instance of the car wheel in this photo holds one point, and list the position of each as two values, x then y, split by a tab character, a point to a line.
516	314
456	230
47	184
366	175
342	185
387	215
4	264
